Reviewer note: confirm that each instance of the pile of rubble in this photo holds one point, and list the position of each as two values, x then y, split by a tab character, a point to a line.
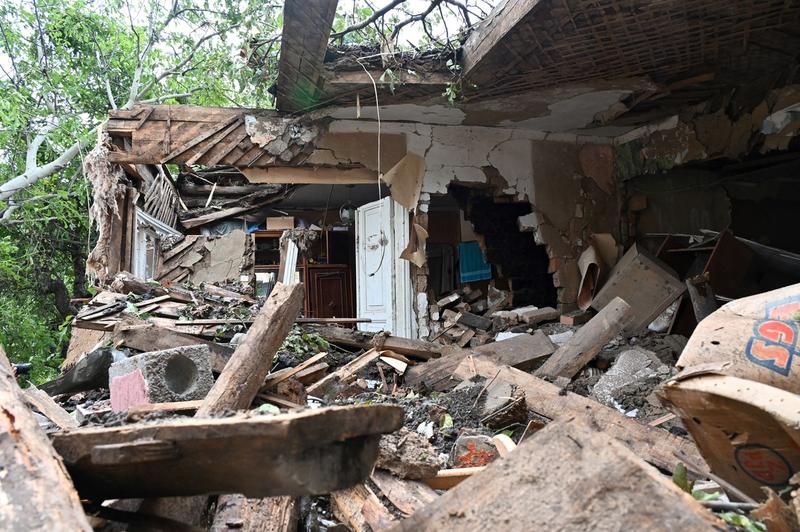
205	408
466	317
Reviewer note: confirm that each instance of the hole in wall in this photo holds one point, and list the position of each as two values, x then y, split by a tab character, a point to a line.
475	214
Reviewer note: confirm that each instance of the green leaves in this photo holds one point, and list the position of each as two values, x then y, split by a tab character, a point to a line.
445	421
681	479
301	342
60	61
743	522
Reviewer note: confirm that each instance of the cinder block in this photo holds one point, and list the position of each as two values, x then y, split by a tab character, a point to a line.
179	374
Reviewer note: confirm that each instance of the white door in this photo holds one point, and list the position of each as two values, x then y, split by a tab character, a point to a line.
383	283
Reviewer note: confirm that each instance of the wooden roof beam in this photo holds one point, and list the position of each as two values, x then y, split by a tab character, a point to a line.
306	29
500	22
402	77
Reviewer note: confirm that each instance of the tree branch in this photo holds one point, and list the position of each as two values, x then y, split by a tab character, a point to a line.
414	18
32	175
110	95
163	97
175	69
364	23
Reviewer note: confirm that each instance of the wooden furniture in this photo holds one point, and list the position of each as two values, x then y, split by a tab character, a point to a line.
325	271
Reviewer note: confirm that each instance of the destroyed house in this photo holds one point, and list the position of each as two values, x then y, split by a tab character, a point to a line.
578	127
591	247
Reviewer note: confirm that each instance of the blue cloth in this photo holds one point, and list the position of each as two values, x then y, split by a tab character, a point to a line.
471	265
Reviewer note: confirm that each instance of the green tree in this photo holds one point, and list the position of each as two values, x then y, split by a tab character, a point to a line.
63	66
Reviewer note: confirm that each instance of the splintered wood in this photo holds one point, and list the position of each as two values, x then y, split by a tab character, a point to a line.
311	452
577	479
654	445
579	350
36	491
520	351
244	374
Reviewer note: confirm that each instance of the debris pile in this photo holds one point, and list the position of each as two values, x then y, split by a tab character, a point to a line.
204	406
468	317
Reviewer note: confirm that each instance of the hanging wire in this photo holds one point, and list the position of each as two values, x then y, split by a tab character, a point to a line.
383	241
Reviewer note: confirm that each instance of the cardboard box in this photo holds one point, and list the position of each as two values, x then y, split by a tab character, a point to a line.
737	393
280	223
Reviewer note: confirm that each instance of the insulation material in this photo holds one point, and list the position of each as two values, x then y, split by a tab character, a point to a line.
108	189
405	180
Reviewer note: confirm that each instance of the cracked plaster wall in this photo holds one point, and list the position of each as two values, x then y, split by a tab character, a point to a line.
567	204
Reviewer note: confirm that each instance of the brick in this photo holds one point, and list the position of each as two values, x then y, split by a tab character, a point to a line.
180	374
532	317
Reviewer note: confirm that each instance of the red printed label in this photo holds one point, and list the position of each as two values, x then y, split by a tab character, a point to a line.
774	341
763	464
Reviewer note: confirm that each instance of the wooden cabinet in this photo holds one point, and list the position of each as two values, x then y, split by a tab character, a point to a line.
329	289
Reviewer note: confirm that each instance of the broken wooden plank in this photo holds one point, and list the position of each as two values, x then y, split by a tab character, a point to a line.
622	488
279	376
220	321
584	345
207	133
324	449
304	41
245	372
269	514
407	495
521	352
242	206
279	401
89	373
364	340
702	296
345	374
473	320
654	445
146	336
483	44
645	283
173	406
36	491
49	408
360	509
312	374
134	452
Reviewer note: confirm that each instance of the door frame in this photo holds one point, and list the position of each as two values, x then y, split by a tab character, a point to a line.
395	222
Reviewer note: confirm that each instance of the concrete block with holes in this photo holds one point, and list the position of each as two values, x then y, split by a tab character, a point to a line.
179	374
